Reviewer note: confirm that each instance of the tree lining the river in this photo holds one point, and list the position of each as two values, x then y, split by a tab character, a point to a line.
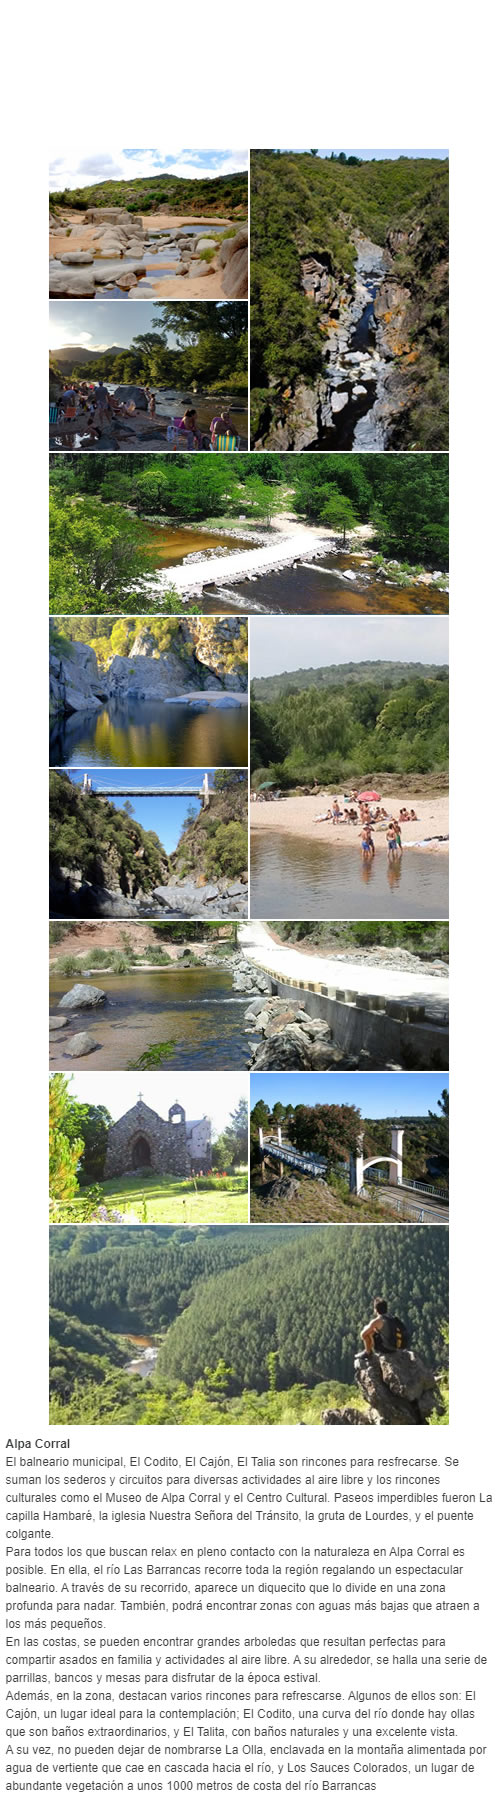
101	546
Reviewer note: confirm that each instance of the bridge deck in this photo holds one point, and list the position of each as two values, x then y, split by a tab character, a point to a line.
142	793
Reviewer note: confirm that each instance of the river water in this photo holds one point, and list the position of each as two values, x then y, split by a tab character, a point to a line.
292	878
151	734
196	1007
341	581
336	583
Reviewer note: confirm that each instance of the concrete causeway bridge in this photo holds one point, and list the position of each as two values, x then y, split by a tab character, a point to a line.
150	792
245	565
397	1016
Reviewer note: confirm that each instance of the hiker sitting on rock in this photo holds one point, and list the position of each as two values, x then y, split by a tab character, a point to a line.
385	1332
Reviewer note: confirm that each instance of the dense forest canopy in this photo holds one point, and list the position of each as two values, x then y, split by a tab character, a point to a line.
218	195
100	541
304	205
334	730
241	1296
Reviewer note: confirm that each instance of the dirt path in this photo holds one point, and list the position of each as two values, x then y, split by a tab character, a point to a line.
289	964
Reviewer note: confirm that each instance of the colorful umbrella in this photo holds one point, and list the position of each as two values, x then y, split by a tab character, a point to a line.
370	795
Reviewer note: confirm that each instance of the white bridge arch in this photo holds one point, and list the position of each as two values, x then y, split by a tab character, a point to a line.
359	1163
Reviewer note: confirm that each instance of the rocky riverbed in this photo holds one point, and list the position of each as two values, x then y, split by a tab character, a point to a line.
113	252
72	897
353	403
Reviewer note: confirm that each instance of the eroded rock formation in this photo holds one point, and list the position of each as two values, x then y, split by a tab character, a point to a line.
400	1390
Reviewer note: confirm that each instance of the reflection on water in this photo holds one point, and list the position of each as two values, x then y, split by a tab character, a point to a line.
327	587
171	545
293	878
196	1008
152	734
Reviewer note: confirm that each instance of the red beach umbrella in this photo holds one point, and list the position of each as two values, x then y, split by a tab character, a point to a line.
370	795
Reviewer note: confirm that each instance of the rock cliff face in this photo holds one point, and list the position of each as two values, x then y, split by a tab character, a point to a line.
198	658
399	1388
75	683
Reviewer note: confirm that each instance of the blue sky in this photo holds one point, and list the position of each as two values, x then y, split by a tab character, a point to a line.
283	643
73	168
380	155
378	1096
98	323
166	817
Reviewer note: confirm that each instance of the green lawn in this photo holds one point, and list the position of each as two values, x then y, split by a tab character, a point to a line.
162	1202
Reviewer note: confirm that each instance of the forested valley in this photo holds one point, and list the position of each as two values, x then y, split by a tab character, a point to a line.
307	207
110	848
252	1325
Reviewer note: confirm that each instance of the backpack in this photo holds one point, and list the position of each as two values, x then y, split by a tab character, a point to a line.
394	1335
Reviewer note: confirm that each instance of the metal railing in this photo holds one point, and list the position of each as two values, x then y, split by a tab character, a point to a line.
419	1187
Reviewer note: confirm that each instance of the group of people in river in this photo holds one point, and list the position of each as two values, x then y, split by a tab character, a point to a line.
91	406
357	811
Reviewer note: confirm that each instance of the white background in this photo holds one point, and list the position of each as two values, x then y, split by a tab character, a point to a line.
277	76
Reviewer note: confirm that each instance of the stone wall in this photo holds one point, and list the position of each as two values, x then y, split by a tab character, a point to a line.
167	1144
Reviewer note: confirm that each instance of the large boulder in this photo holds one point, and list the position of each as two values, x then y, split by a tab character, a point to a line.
400	1390
77	259
81	1044
198	269
136	394
233	259
235	277
115	271
73	284
82	995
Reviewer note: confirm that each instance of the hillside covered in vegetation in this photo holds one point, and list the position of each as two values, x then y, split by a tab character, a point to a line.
251	1324
104	846
215	841
311	213
103	842
224	196
332	724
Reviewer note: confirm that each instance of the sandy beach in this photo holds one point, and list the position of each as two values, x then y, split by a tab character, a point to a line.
297	813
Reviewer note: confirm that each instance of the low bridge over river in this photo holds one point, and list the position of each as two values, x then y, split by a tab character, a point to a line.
246	565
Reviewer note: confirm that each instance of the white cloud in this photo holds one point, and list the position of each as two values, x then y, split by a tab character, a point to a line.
62	334
80	169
